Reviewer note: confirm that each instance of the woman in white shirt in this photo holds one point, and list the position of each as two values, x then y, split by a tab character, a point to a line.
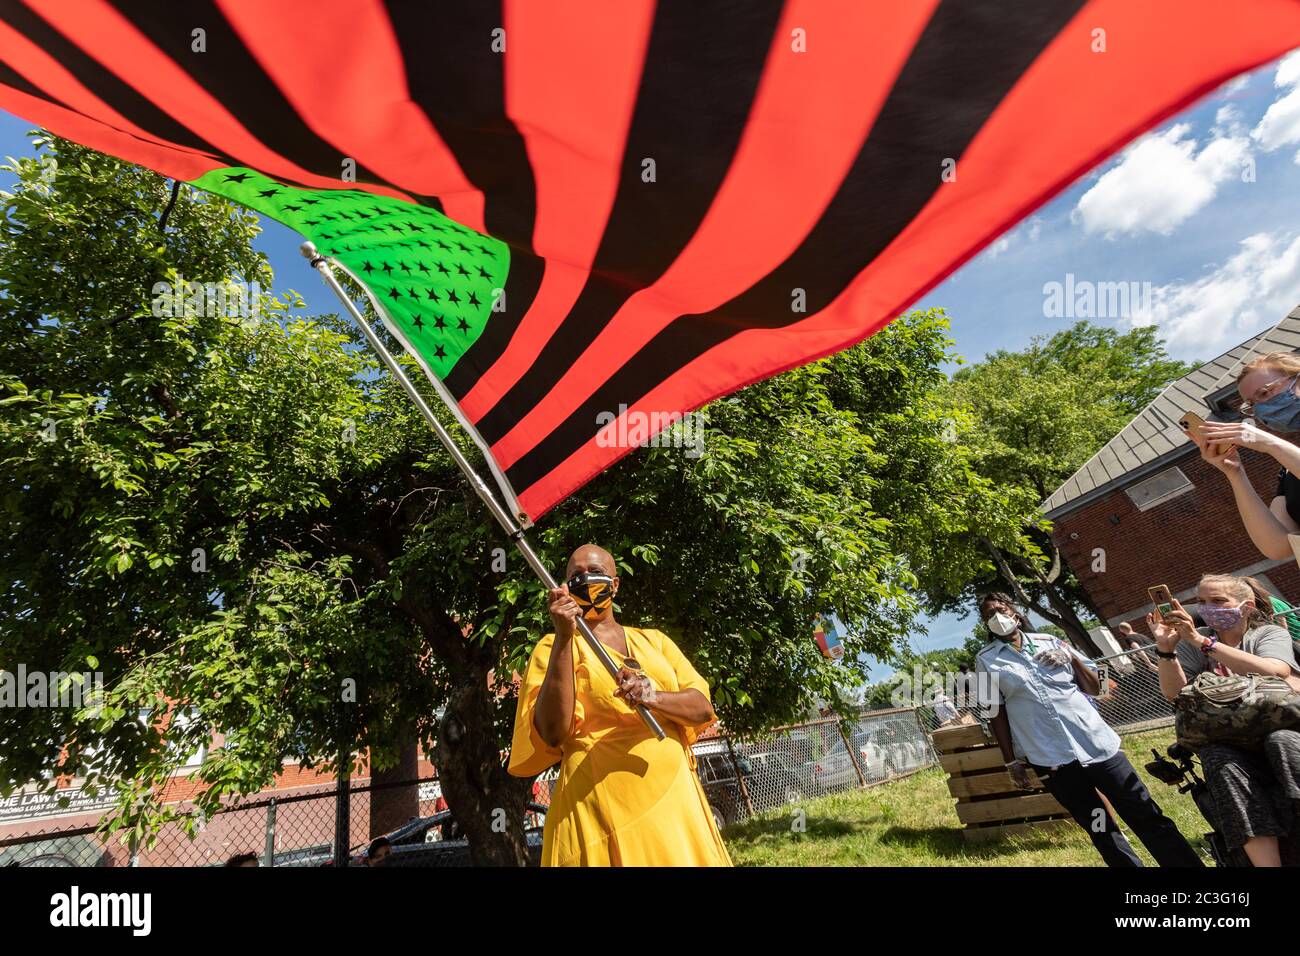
1041	718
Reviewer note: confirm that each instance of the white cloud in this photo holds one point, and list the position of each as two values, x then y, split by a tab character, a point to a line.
1244	295
1227	120
1280	124
1029	229
1234	85
1288	70
1160	182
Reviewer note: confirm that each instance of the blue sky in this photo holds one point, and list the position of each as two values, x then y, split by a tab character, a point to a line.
1204	210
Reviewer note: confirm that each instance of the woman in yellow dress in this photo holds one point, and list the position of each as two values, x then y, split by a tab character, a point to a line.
624	798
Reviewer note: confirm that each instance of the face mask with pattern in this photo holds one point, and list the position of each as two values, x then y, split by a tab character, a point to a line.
593	592
1221	618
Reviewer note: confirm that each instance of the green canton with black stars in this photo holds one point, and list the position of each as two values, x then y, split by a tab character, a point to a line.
436	279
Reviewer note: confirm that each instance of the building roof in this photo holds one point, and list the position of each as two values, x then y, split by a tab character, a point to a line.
1153	438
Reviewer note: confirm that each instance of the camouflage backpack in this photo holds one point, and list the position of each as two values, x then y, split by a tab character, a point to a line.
1240	710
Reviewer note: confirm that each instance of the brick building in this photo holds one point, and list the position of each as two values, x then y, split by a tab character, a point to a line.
1147	510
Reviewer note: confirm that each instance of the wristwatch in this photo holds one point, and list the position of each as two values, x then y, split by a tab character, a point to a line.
1167	655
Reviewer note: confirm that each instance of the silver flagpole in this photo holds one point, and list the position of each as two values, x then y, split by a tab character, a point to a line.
503	517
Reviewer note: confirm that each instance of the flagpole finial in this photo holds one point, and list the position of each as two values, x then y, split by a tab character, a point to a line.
308	250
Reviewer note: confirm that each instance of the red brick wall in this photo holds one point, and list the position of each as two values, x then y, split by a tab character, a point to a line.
1173	543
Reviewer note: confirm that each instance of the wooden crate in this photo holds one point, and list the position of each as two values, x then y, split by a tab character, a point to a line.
988	803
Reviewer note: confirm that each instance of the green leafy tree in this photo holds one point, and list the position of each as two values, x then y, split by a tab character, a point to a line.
1038	416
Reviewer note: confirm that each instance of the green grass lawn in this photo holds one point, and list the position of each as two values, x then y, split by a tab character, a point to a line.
911	822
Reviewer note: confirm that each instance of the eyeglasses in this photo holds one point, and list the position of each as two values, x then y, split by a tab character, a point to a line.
1265	392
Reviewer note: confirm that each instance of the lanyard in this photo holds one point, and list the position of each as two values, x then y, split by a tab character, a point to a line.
1027	647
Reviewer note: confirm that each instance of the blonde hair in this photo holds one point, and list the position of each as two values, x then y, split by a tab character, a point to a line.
1287	363
1241	589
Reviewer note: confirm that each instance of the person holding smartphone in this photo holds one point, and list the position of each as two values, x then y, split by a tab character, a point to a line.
1254	793
1041	719
1270	391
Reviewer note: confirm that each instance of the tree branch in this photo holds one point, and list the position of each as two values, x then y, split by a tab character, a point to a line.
171	204
1055	571
1007	574
1018	590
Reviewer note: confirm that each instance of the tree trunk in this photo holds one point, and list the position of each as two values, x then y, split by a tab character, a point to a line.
486	801
391	807
1064	578
1070	622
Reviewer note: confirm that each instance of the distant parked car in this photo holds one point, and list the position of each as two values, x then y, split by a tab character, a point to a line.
900	744
883	750
778	778
834	770
437	840
770	777
317	855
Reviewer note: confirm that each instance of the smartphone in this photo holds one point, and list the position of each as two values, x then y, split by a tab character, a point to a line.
1162	599
1193	424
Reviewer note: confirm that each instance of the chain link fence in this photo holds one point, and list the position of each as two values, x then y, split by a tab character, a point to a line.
289	829
743	778
1130	698
740	778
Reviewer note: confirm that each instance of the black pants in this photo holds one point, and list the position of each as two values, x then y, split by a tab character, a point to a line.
1076	787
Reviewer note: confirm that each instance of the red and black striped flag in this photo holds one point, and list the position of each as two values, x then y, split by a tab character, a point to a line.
573	211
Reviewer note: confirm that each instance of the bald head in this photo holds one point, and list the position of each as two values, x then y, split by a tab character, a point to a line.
595	597
593	559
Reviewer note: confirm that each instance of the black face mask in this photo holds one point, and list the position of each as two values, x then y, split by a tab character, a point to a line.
593	592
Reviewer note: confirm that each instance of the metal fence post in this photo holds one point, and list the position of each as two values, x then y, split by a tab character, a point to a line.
744	787
268	853
925	735
343	810
848	747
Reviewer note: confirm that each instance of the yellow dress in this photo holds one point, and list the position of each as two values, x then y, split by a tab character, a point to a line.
623	797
